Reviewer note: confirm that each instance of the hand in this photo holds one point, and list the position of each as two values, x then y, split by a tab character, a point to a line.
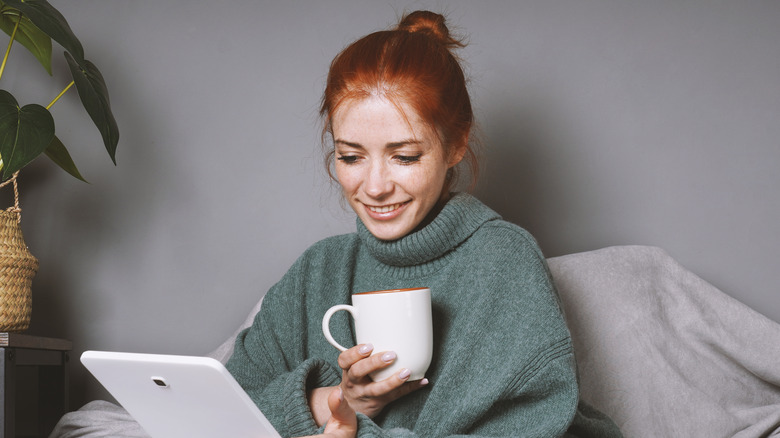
361	392
343	421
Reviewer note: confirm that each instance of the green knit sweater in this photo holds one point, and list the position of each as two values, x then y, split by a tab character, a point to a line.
503	363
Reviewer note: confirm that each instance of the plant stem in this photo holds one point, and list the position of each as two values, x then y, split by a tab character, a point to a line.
60	95
10	43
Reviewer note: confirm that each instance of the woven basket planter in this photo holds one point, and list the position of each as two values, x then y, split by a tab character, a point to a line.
17	269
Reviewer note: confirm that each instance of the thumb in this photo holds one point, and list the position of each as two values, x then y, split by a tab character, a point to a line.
342	416
340	410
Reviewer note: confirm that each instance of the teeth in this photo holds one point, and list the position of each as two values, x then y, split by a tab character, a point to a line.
384	209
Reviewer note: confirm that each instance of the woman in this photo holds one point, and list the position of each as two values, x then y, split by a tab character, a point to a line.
399	115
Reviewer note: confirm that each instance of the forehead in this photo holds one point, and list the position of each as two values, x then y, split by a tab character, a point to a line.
375	116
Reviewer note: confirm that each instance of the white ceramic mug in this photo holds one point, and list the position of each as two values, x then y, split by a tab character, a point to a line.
398	320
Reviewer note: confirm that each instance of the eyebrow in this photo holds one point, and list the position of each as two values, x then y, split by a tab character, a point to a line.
391	145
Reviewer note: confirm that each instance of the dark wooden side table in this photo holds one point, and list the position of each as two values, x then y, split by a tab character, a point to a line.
34	379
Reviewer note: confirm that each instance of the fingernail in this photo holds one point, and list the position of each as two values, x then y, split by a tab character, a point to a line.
424	382
365	348
389	356
404	374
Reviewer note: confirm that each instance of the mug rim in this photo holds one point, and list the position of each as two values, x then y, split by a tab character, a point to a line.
388	291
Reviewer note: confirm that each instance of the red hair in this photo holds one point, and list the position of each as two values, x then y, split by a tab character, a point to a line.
413	65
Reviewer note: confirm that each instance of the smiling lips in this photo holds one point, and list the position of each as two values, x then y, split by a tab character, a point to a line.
385	211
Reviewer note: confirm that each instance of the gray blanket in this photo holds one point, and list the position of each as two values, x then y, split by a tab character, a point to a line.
666	354
661	351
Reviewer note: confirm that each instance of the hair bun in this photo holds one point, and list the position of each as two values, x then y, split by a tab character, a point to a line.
431	24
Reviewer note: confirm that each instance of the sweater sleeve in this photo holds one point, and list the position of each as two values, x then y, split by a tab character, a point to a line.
542	404
270	363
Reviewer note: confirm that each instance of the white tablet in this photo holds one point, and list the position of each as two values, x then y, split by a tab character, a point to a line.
179	396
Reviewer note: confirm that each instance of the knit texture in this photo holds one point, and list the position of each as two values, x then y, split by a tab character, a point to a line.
503	363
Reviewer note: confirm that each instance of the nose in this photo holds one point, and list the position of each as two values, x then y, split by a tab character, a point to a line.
378	183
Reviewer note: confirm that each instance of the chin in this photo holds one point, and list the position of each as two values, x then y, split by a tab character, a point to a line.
386	236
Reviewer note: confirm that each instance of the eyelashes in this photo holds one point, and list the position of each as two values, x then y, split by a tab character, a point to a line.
402	159
409	159
347	159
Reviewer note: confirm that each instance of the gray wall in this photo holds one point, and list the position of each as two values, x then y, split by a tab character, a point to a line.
603	123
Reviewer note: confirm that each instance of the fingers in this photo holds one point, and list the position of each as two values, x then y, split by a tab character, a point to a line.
362	369
395	386
362	393
355	354
358	362
374	395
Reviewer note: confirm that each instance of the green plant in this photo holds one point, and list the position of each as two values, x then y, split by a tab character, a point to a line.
27	131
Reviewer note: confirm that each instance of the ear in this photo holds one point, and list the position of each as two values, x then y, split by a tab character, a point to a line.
458	152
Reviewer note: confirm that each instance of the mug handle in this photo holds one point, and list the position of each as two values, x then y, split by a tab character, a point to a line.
326	323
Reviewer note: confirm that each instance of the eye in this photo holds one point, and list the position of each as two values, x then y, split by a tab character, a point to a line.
408	159
348	159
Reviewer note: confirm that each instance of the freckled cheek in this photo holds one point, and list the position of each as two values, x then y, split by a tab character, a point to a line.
349	179
422	182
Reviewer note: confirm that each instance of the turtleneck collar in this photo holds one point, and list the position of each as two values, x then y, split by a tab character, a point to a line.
458	219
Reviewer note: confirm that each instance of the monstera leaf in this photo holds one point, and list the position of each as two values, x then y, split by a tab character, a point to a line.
25	133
